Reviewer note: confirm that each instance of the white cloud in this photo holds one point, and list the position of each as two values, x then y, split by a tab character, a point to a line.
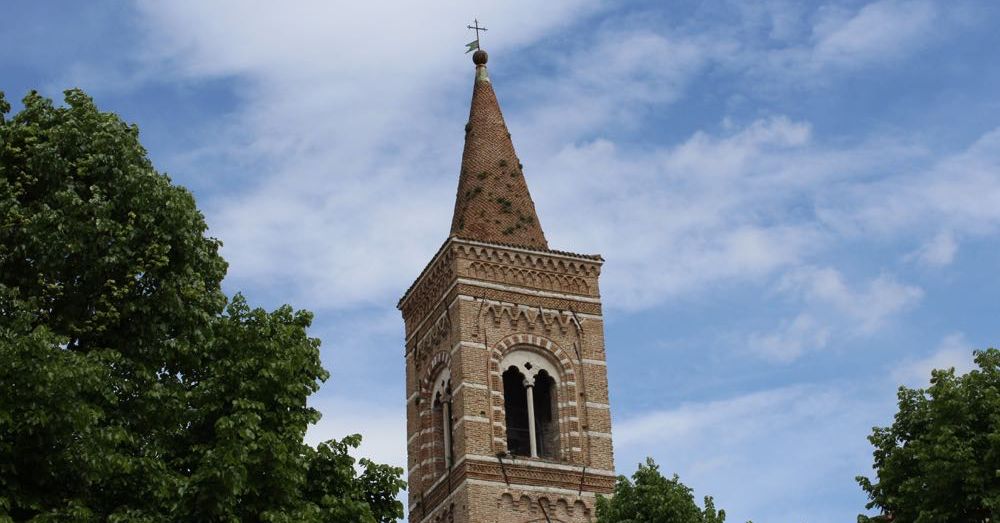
313	39
792	339
954	351
833	309
868	307
617	76
779	47
382	427
790	443
708	209
879	30
938	252
336	180
340	182
957	192
349	187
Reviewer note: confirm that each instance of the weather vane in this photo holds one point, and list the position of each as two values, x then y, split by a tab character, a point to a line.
473	45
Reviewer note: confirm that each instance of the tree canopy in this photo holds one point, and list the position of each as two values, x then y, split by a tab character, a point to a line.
939	461
649	496
131	387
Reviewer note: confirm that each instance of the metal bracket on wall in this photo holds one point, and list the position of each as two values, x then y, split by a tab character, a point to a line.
503	469
544	513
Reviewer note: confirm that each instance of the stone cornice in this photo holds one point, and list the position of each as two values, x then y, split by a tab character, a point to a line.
555	270
552	260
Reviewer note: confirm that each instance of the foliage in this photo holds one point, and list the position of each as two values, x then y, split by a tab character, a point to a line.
939	461
652	497
131	388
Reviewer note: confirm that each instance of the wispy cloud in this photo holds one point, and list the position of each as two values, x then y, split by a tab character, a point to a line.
352	187
833	309
954	351
340	182
778	440
618	75
939	251
792	339
955	192
869	306
877	31
714	186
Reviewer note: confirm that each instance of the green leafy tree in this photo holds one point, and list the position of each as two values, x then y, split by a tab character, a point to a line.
939	461
650	497
131	388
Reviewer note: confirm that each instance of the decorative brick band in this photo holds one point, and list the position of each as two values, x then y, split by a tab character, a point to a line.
564	263
510	295
530	278
520	474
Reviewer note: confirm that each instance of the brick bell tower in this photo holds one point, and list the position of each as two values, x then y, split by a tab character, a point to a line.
508	418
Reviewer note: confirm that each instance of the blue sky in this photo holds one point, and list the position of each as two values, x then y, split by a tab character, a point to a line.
799	203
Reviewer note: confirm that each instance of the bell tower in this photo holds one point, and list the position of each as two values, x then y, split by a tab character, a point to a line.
508	417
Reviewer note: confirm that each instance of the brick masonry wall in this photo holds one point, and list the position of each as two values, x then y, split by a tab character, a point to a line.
473	305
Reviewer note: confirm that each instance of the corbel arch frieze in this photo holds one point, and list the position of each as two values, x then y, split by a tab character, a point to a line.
528	277
531	318
537	261
555	508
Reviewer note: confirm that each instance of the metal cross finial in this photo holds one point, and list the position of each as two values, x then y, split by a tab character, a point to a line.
477	28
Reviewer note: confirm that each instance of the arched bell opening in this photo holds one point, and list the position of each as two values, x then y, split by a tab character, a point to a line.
546	415
531	404
515	402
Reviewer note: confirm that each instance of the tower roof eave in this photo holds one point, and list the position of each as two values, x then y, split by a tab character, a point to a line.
592	258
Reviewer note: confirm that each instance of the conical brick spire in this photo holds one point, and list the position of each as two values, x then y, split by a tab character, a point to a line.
493	203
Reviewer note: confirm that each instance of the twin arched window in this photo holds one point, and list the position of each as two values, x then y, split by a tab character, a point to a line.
531	404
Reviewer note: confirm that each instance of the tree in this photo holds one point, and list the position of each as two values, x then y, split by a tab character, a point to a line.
939	461
131	387
652	497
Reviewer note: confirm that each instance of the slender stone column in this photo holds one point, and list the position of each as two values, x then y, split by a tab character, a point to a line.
446	420
531	418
